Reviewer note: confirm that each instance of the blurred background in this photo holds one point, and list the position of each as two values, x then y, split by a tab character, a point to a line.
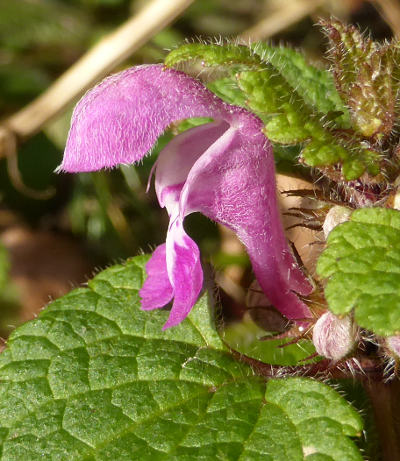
57	230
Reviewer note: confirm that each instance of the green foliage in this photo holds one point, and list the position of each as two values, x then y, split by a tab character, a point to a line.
361	264
213	55
316	86
24	24
37	160
228	90
252	341
298	102
96	378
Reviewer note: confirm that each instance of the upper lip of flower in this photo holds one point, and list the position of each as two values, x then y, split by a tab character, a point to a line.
224	169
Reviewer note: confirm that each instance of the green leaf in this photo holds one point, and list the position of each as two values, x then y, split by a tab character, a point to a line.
213	55
288	119
96	378
328	151
250	340
228	90
361	265
323	419
297	102
316	86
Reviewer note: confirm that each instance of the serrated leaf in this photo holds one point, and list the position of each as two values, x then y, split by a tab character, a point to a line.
297	101
213	55
316	86
363	73
273	99
288	119
322	418
96	378
361	263
327	151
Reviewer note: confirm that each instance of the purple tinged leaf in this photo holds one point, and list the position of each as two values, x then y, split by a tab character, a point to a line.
223	169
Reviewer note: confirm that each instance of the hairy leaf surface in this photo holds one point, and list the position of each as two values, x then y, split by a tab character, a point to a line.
361	263
96	378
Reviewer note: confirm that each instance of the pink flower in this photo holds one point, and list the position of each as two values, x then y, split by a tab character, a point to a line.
224	169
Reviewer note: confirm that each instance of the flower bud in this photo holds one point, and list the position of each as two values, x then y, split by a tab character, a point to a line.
336	215
334	337
393	344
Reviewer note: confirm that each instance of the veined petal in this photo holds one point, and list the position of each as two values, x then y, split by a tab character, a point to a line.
182	254
120	119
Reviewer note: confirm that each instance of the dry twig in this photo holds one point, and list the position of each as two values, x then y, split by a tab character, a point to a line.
291	12
95	64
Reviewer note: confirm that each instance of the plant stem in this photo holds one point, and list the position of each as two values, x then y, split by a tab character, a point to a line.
386	405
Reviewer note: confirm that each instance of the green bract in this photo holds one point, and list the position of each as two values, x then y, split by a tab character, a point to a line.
363	73
96	378
361	263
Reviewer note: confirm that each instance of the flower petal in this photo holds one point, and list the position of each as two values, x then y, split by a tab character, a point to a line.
233	183
157	290
184	270
120	119
177	158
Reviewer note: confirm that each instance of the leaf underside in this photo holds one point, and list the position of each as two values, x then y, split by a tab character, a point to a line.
361	263
96	378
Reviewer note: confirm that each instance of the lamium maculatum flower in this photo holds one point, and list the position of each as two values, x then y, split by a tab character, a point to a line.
223	169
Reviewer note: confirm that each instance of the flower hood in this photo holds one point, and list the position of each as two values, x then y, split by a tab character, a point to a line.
224	169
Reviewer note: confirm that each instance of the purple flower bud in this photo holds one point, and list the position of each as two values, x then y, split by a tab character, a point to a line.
224	169
334	337
335	216
393	344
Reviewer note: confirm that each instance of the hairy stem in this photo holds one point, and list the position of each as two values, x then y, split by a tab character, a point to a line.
386	405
